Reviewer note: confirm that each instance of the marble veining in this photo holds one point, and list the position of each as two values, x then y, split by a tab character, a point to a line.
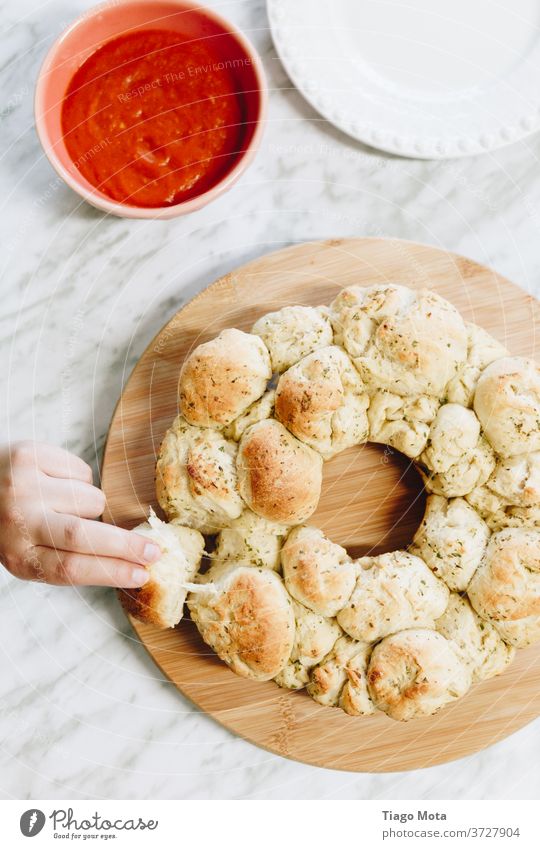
84	712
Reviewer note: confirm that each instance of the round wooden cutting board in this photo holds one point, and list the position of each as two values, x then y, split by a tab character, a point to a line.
372	501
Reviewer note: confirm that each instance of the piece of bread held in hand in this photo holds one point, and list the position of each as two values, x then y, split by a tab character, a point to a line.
161	600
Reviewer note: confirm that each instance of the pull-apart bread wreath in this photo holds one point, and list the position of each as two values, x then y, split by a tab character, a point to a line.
405	632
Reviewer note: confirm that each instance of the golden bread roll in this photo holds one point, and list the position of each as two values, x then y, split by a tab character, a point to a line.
322	401
292	333
416	673
357	311
279	477
506	586
317	572
196	479
507	402
246	616
393	591
221	378
416	341
452	540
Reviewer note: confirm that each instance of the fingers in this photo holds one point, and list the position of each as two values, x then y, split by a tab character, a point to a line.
33	486
70	533
46	506
63	568
51	538
71	496
58	463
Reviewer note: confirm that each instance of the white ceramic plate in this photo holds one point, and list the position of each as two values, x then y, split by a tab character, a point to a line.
422	78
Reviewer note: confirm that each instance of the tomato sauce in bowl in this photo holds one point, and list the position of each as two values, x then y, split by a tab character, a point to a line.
153	119
150	108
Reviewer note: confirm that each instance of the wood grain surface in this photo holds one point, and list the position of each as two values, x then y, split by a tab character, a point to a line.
372	501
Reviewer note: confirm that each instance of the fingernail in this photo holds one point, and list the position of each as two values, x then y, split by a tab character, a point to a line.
139	577
151	552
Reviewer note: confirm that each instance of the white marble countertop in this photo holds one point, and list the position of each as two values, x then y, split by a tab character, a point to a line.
84	712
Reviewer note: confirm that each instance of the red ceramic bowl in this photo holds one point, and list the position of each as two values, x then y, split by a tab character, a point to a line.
110	20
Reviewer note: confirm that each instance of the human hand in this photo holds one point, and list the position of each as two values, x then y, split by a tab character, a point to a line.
47	532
